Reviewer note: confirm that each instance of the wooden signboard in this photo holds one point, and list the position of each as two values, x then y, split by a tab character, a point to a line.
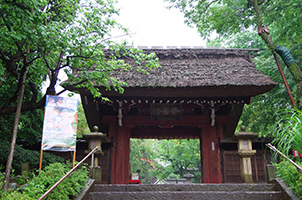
166	111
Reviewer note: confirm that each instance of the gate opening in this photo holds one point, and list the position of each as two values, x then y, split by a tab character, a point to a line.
165	161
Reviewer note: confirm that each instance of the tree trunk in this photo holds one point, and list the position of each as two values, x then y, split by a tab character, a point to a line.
14	137
283	53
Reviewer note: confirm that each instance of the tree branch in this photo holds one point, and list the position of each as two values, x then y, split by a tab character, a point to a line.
261	28
32	61
34	90
25	107
57	69
32	105
83	81
258	14
47	64
9	29
210	4
109	38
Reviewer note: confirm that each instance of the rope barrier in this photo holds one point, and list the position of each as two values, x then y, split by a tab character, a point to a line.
285	55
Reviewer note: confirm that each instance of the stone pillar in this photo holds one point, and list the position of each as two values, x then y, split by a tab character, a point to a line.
188	178
95	140
270	172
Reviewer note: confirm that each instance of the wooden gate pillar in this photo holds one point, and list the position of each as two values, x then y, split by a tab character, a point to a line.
120	155
211	167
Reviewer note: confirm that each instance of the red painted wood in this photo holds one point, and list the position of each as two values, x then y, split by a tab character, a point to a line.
122	155
211	172
112	134
155	132
219	129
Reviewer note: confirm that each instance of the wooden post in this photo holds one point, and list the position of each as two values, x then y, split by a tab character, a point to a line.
41	156
219	155
289	92
112	134
122	149
211	169
74	157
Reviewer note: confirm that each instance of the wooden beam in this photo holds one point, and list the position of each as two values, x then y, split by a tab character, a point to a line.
155	132
131	121
183	92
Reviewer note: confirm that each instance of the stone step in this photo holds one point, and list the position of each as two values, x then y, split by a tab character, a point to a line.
183	187
187	195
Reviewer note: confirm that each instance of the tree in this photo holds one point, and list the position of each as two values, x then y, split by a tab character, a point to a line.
40	38
180	156
143	158
260	116
227	18
43	38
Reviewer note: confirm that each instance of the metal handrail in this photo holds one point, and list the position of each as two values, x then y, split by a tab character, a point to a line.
68	173
290	160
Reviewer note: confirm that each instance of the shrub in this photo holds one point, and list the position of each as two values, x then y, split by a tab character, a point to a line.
67	189
287	138
288	131
22	155
2	176
291	176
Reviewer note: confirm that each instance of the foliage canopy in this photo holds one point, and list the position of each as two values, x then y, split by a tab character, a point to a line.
46	37
227	17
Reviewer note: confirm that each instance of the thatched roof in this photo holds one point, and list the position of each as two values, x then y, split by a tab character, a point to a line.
198	67
196	72
210	71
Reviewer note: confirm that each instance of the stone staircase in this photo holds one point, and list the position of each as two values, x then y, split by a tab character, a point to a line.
186	191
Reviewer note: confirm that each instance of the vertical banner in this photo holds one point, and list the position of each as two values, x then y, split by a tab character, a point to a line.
60	124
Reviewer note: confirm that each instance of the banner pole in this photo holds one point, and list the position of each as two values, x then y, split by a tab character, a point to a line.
74	156
40	166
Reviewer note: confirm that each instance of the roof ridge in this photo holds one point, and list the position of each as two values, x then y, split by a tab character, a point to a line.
192	48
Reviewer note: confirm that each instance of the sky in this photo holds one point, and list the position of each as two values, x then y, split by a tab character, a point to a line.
152	24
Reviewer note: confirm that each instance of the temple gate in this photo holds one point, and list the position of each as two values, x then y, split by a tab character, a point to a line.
196	94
